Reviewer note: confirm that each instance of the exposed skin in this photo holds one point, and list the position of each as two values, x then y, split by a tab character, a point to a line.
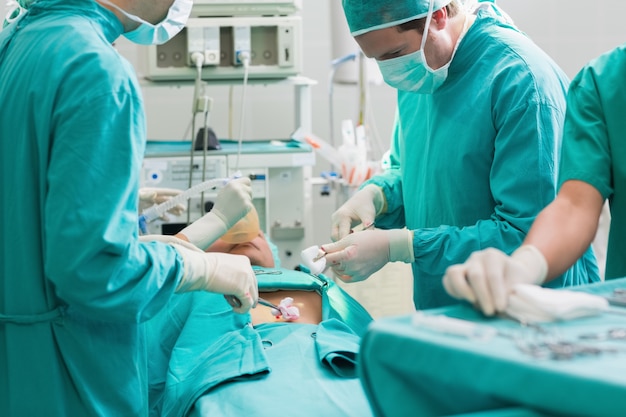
257	250
152	11
443	34
567	226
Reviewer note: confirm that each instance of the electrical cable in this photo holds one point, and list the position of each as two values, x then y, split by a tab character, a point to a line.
244	57
198	59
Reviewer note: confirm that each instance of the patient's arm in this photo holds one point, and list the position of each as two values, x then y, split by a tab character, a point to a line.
308	302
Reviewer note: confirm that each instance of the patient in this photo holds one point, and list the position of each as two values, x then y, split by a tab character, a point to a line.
262	252
211	361
259	250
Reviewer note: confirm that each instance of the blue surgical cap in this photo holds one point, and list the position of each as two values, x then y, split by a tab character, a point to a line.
366	15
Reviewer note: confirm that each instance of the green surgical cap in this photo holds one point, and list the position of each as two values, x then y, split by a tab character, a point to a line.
366	15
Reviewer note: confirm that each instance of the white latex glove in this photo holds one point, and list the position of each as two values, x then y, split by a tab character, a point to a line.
149	197
362	207
487	278
233	202
357	256
221	273
230	275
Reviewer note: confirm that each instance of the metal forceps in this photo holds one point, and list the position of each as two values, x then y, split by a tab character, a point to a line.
235	302
266	303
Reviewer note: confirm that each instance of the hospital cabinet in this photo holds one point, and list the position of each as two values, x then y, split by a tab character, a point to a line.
281	185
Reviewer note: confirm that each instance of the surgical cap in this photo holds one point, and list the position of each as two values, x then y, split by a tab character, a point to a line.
366	15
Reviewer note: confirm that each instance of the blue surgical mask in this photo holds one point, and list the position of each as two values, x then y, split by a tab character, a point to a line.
149	34
411	72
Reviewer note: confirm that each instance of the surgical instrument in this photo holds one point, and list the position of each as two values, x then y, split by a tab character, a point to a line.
267	272
266	303
357	228
285	310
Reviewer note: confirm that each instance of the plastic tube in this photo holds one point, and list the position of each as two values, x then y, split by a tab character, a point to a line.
154	212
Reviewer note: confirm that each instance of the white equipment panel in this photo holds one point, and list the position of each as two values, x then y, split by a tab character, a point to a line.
274	44
281	182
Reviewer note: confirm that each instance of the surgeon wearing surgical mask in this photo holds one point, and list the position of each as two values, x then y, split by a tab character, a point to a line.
475	146
77	282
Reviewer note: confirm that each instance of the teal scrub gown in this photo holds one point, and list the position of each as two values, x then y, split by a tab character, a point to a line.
475	162
76	284
594	143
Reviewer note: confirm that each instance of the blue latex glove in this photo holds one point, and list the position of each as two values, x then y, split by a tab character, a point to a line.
358	255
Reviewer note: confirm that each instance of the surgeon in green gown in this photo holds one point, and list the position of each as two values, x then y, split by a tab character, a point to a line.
77	283
475	147
592	171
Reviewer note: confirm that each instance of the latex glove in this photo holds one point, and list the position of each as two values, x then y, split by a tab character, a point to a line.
357	256
149	197
487	278
222	273
233	202
362	207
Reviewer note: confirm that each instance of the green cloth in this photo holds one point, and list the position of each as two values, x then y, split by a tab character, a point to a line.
409	370
473	163
594	143
206	360
75	282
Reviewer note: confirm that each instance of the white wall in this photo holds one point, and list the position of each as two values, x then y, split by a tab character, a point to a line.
571	32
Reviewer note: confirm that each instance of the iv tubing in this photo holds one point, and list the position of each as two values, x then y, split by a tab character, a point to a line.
155	212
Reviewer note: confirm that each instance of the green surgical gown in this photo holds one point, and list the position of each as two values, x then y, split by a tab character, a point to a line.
594	143
209	361
473	163
75	284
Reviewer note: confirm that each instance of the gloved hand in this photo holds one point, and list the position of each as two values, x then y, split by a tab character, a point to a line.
357	256
220	273
233	202
149	196
487	278
362	207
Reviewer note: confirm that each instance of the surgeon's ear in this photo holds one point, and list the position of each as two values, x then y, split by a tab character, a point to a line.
440	18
